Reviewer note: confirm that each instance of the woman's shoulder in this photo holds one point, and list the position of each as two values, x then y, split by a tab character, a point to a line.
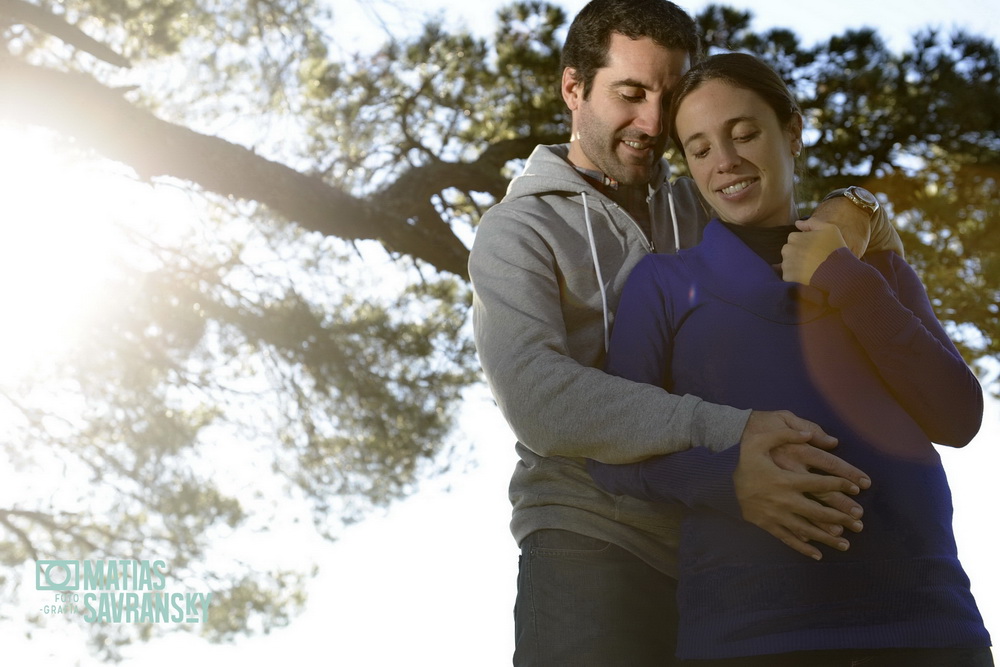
660	265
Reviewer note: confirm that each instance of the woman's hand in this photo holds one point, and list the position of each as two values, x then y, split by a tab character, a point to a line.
807	249
790	487
855	224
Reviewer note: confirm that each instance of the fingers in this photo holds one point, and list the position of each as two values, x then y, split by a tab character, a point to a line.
806	249
843	476
782	433
816	484
850	511
763	444
811	225
790	486
800	534
807	532
761	423
833	529
817	436
797	544
833	520
789	514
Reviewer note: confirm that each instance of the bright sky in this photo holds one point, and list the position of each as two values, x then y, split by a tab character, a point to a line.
431	582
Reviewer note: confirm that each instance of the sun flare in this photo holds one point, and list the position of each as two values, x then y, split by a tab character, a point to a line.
57	226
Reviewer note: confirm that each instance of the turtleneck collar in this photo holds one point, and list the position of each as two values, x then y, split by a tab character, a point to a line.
765	241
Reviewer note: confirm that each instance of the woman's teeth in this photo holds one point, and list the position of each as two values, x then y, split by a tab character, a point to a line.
733	189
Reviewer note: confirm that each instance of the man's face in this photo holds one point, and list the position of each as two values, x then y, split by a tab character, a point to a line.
618	129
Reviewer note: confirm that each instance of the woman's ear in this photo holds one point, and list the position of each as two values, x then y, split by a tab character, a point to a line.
795	133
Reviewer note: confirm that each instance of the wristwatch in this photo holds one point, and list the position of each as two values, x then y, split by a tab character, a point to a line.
862	199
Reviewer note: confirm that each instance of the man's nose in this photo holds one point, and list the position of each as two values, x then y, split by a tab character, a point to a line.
650	119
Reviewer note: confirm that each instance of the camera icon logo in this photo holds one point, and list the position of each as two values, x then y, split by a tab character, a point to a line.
57	575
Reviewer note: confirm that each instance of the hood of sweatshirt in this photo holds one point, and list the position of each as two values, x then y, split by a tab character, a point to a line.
546	171
549	172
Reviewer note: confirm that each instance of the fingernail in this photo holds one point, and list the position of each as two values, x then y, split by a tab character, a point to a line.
857	512
817	557
865	482
843	545
854	490
857	526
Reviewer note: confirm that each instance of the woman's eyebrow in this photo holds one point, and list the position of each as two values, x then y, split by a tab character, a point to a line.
728	124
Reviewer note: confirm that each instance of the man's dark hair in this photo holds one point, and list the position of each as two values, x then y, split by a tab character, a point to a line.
589	37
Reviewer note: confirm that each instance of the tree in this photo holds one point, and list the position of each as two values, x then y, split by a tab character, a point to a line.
919	128
260	334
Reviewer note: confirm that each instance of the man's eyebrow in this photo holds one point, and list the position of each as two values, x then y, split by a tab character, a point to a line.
628	83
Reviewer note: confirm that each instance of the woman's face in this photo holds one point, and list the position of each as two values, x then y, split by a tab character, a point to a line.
740	156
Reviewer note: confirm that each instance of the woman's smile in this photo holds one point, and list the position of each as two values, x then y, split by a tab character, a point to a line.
739	154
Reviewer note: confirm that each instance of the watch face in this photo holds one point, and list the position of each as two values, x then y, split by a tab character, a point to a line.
865	196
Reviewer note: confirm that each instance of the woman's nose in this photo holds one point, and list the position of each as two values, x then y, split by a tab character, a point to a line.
728	158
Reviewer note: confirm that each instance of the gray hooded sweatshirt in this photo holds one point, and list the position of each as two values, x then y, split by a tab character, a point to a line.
548	266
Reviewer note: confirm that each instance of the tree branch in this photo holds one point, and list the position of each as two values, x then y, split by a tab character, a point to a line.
99	117
19	11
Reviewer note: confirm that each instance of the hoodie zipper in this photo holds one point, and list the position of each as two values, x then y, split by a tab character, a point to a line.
638	227
594	256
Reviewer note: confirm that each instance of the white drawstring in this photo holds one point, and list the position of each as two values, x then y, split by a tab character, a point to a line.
673	217
597	264
597	270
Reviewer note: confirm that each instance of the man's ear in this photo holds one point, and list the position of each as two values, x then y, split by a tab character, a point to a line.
572	89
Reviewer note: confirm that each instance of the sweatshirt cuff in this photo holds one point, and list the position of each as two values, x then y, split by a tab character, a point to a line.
717	427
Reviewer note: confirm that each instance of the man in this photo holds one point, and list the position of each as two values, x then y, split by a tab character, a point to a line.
596	582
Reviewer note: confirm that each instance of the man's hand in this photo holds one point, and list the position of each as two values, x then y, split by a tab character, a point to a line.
778	491
807	249
854	223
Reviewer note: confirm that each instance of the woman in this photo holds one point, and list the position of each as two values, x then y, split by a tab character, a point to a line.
772	313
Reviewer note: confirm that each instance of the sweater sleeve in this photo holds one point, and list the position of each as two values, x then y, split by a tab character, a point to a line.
885	305
641	350
694	478
554	404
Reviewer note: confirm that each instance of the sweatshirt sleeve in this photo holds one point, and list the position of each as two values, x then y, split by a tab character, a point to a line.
641	350
883	235
885	305
555	405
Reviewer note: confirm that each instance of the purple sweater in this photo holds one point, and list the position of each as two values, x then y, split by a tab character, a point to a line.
861	353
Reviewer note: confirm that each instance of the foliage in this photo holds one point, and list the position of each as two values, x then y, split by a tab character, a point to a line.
300	347
922	130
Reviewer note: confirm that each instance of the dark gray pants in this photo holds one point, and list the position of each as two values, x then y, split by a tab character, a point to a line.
583	602
888	657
